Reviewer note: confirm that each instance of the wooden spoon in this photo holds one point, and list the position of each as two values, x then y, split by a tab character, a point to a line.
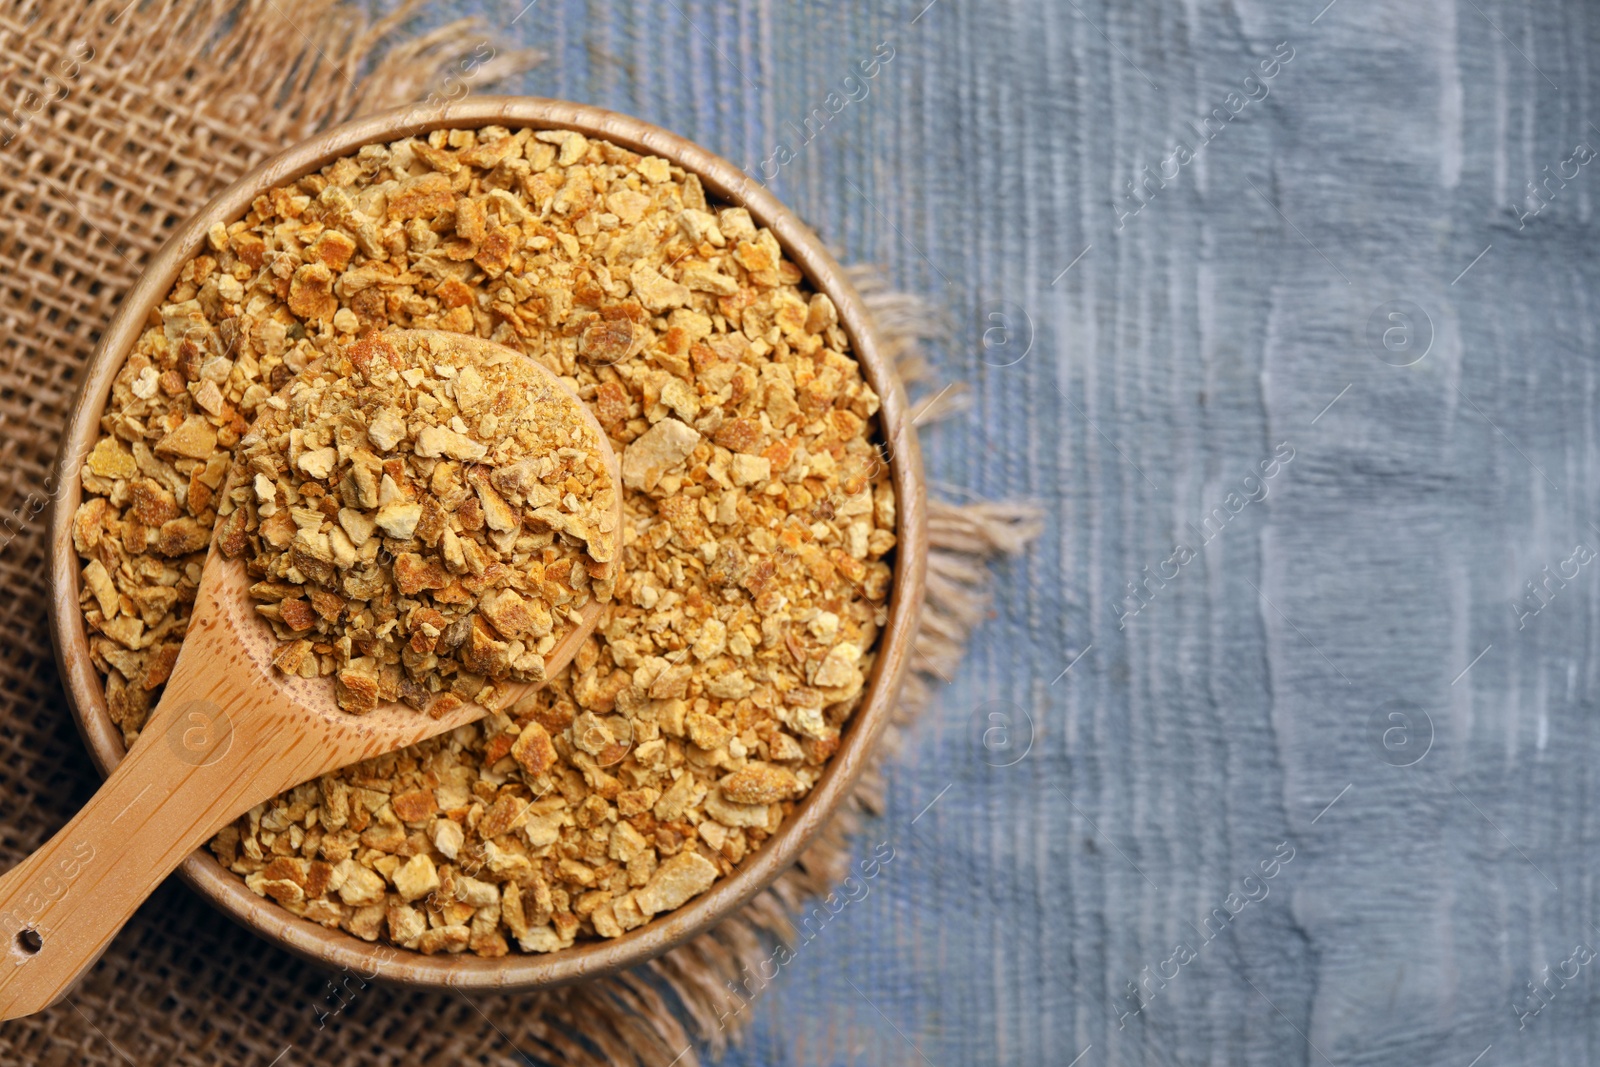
229	733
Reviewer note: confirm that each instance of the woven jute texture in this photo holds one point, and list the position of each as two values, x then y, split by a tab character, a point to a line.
117	122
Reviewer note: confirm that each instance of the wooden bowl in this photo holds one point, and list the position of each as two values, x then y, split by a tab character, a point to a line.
589	959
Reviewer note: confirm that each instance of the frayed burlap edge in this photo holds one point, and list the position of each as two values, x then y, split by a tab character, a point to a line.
276	70
126	119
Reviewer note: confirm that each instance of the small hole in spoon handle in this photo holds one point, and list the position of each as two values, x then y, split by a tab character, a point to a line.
29	942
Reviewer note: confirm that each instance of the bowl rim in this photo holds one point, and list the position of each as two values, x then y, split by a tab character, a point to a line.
336	948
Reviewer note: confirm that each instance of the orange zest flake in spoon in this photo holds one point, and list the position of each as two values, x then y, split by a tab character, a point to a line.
425	514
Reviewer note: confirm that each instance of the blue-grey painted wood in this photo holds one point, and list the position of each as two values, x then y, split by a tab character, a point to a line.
1297	638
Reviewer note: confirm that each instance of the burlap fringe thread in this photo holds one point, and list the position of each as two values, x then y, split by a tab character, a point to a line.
124	118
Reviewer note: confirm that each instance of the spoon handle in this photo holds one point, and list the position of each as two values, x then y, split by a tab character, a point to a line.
187	776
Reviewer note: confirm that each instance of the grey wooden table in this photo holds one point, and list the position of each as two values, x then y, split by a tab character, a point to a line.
1258	301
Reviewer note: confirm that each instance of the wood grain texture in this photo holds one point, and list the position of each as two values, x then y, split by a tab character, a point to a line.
1171	360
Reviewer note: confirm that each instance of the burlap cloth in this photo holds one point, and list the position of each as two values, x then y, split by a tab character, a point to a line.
117	122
